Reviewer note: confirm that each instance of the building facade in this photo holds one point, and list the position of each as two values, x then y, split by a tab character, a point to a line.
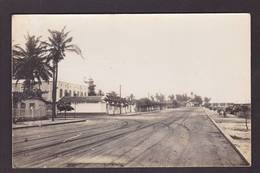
30	108
63	89
88	104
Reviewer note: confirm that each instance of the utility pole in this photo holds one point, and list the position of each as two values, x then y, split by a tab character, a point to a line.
120	97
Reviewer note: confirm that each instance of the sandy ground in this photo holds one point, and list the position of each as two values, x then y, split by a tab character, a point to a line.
174	138
236	128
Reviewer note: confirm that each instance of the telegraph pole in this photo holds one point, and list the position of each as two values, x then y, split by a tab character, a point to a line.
120	97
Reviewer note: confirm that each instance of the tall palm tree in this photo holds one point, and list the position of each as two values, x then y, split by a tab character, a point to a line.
58	44
30	63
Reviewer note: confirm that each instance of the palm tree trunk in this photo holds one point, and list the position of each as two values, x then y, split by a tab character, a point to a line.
54	91
30	85
56	82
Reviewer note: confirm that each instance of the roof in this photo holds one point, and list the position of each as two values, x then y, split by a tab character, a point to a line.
88	99
192	101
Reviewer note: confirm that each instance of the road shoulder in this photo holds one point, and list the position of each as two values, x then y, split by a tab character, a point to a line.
45	123
228	137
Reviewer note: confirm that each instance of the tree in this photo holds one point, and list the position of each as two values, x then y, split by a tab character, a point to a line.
171	97
197	99
174	102
100	93
206	101
64	106
112	99
245	110
160	97
30	63
91	90
182	98
58	44
131	97
145	104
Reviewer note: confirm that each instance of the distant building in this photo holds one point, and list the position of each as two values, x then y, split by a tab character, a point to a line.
192	103
221	104
77	95
63	89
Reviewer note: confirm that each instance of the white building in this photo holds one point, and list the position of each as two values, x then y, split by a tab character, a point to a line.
63	89
77	95
30	108
89	104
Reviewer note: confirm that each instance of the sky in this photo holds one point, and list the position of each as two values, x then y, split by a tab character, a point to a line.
207	54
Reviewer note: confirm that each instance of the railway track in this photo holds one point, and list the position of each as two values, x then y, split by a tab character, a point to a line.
124	142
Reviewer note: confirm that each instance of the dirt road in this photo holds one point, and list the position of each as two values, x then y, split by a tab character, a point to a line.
179	137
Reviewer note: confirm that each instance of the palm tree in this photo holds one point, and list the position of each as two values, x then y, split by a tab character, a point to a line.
30	63
58	44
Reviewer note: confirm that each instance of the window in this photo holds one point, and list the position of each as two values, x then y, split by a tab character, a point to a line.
81	94
23	105
85	94
32	105
66	93
74	93
70	93
61	93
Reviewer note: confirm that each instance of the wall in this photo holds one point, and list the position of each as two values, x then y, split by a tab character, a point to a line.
100	108
89	107
124	110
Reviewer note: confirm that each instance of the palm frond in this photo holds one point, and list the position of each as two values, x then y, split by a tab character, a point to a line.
30	63
74	48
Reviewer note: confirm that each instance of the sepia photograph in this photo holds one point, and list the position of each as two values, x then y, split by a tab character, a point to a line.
131	90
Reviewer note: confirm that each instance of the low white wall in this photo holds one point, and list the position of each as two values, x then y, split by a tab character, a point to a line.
100	108
124	110
89	107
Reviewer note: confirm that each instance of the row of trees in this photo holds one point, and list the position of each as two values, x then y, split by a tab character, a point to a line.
146	104
158	101
114	100
143	104
38	61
